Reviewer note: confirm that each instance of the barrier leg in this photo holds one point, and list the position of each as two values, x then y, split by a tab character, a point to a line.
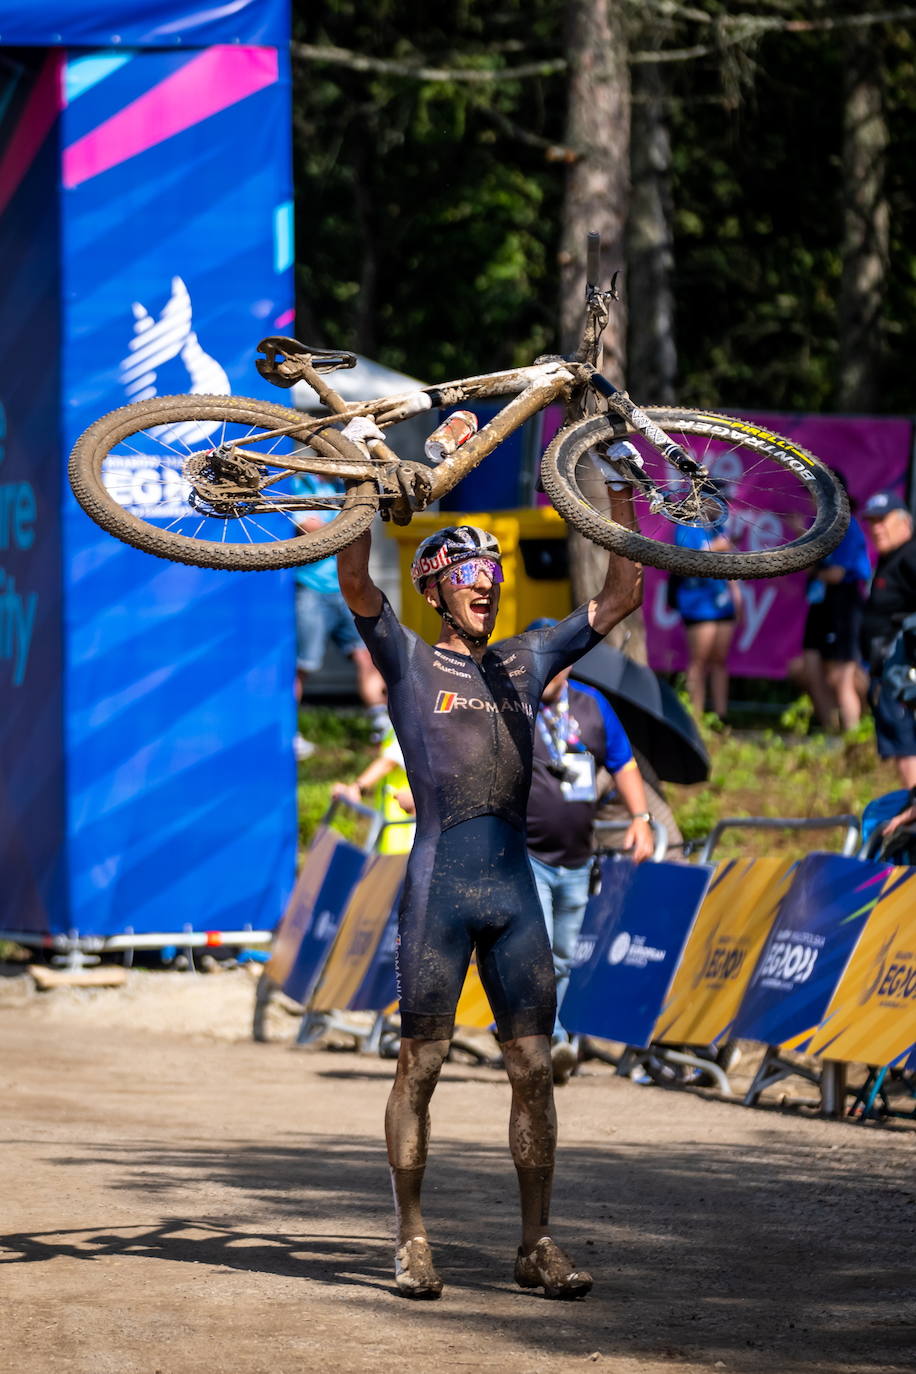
774	1069
702	1064
833	1088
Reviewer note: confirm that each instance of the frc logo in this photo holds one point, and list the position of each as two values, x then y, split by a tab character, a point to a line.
444	702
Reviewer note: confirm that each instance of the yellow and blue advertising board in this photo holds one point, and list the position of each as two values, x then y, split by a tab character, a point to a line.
360	944
312	917
810	943
732	924
871	1018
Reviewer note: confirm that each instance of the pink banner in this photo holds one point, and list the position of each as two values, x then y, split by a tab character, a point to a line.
871	453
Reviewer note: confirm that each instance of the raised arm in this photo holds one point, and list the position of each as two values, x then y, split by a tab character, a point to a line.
622	590
358	590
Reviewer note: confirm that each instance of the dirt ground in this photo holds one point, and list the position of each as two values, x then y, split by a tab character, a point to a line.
179	1198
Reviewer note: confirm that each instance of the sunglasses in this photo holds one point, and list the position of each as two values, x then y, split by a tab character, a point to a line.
465	574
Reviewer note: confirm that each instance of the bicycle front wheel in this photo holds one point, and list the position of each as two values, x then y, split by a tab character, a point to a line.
778	506
204	480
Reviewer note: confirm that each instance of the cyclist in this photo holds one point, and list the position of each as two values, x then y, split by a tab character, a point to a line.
465	717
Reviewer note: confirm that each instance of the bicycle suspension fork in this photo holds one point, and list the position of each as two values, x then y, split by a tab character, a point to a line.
640	421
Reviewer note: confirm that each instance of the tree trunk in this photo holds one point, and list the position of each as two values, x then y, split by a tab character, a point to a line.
652	360
597	194
598	181
866	224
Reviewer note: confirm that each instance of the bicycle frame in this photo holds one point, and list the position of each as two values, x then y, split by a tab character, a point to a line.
410	487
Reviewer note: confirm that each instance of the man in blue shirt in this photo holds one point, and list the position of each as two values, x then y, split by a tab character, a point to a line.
322	615
577	735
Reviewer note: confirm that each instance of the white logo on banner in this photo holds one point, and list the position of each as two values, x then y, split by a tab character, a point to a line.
155	342
633	951
153	485
619	947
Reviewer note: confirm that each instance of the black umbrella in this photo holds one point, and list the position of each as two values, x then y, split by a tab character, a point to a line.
657	724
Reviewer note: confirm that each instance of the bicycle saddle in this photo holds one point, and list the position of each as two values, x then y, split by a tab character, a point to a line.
284	358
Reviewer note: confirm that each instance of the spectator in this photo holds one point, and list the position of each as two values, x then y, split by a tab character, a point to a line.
577	735
709	608
322	614
830	658
891	599
384	781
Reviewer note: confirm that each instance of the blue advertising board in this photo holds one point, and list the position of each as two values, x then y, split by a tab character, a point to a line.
32	878
147	782
639	922
816	929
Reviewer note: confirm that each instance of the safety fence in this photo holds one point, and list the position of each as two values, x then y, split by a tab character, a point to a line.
813	958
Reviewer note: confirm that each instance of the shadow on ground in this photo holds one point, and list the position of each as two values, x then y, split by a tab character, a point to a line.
699	1253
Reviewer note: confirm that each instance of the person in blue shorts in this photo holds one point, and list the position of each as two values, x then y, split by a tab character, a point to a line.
709	608
465	718
323	615
837	587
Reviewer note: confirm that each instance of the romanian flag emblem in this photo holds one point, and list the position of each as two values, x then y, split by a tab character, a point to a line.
444	702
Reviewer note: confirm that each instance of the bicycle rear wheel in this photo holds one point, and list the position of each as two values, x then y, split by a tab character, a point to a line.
780	508
202	480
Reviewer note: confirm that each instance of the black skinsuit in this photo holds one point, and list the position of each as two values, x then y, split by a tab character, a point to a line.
467	733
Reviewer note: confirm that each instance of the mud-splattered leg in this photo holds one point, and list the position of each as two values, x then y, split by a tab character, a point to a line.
532	1130
540	1262
407	1134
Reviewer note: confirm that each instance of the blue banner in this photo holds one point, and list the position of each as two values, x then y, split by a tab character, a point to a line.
179	725
32	853
633	939
815	931
120	24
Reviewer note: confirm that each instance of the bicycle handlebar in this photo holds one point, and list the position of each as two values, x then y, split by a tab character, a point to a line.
593	259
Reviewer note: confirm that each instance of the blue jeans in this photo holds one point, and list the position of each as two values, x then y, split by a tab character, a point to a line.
321	616
563	893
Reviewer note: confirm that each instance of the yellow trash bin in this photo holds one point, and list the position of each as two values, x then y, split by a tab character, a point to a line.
535	566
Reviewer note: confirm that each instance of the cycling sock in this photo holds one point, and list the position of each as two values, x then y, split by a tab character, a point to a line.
406	1185
534	1188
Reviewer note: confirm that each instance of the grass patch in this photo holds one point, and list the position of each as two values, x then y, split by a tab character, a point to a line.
766	772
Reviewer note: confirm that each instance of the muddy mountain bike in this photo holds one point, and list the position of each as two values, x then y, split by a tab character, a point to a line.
217	480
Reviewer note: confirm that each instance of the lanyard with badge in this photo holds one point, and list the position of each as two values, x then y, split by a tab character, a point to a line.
568	759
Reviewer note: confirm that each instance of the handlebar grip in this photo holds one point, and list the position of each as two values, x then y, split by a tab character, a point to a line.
593	258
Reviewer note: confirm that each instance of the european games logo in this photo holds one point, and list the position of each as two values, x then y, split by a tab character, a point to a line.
620	947
154	485
633	951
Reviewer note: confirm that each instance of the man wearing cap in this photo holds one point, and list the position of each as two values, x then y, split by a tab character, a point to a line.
891	599
579	747
465	718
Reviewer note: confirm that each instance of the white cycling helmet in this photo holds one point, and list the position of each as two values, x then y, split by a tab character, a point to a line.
452	545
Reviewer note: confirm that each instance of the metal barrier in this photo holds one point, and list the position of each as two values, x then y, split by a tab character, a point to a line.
850	841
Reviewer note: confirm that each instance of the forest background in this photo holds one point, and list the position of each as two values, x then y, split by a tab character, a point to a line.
749	165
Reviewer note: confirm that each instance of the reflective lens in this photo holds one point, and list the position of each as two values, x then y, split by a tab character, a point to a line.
465	574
